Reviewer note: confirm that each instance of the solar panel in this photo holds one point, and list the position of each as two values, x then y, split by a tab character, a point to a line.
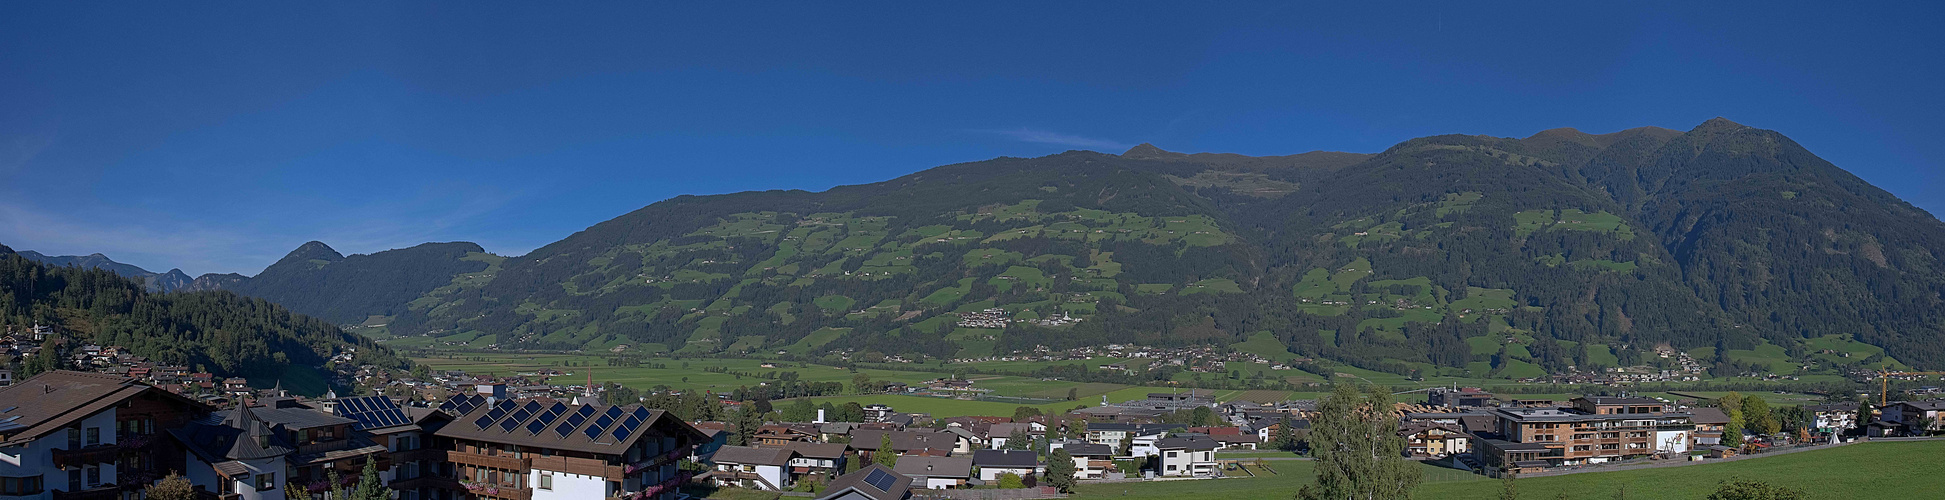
546	418
509	424
641	413
532	406
613	412
506	404
483	421
879	479
536	426
592	432
576	419
604	421
496	413
631	424
563	429
586	410
620	434
558	408
520	415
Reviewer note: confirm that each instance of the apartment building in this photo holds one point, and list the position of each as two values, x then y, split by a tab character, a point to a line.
1589	430
68	435
540	449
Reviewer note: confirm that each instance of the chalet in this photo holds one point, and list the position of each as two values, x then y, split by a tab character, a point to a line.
779	435
821	461
87	436
527	450
1091	461
766	469
1433	440
993	463
936	472
1187	456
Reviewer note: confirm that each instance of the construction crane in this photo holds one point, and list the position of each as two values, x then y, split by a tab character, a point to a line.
1884	383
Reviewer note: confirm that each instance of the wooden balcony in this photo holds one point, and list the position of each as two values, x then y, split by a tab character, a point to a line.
103	492
419	455
97	454
496	462
581	466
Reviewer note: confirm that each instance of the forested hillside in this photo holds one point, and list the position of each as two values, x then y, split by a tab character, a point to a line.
222	332
321	282
1559	252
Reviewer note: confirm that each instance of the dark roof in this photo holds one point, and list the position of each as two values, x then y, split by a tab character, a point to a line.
918	466
1707	416
876	482
752	456
818	450
61	397
1512	446
299	418
373	412
903	441
1187	443
1089	450
1838	407
1931	405
237	435
561	426
1005	458
1109	426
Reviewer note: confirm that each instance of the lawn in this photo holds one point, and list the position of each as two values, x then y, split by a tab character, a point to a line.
940	407
1869	470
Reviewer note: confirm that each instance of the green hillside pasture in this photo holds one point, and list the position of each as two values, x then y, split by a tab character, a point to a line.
1842	344
1213	285
837	303
1315	284
1350	273
979	257
1153	288
1480	299
1605	265
1266	345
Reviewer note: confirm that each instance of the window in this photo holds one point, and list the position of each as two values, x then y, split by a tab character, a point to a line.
266	482
74	438
94	476
94	436
1171	454
546	481
20	486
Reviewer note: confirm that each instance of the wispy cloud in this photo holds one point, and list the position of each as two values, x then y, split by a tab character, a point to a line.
1060	139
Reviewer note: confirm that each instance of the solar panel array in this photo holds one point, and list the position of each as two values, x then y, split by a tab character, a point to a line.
372	412
879	479
610	423
461	404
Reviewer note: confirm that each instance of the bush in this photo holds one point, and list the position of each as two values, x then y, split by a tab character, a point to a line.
1011	481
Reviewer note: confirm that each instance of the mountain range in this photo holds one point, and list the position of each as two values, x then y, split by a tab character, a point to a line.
155	282
1450	254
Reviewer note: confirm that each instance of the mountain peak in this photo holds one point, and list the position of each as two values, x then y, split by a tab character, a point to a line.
1147	150
309	254
1719	124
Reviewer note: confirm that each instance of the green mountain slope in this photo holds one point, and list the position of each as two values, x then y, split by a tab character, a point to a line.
1448	254
316	280
219	331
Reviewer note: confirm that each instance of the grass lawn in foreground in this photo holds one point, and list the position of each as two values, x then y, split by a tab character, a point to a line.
1868	470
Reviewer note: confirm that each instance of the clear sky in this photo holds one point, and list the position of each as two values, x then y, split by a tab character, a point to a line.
216	140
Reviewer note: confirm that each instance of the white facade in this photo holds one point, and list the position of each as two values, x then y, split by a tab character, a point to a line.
1145	445
993	473
36	458
551	485
940	483
774	474
1176	462
1671	441
270	470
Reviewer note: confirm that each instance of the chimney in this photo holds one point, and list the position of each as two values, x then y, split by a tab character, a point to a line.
820	416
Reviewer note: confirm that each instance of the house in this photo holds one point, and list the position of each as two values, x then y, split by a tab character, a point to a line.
765	469
1832	418
1909	413
876	412
406	436
993	463
554	451
820	461
324	442
86	435
1091	461
1187	456
237	455
925	442
1114	434
1709	423
875	482
936	472
778	435
1433	440
998	435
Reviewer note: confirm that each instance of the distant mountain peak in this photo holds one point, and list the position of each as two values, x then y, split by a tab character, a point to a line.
1147	150
1720	124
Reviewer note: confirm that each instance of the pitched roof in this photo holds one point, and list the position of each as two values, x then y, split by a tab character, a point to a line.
236	435
299	418
1187	443
1005	458
587	428
1089	450
752	456
876	482
63	397
903	441
1707	416
818	450
916	466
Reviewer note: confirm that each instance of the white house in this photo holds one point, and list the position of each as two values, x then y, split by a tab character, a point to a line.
755	468
1091	461
72	432
1187	456
993	463
935	472
236	453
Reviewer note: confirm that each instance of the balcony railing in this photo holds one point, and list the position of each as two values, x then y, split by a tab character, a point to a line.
478	460
103	492
97	454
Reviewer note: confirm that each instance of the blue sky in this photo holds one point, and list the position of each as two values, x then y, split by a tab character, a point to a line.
217	140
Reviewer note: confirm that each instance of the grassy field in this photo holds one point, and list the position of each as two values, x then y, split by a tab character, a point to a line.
940	407
1869	470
